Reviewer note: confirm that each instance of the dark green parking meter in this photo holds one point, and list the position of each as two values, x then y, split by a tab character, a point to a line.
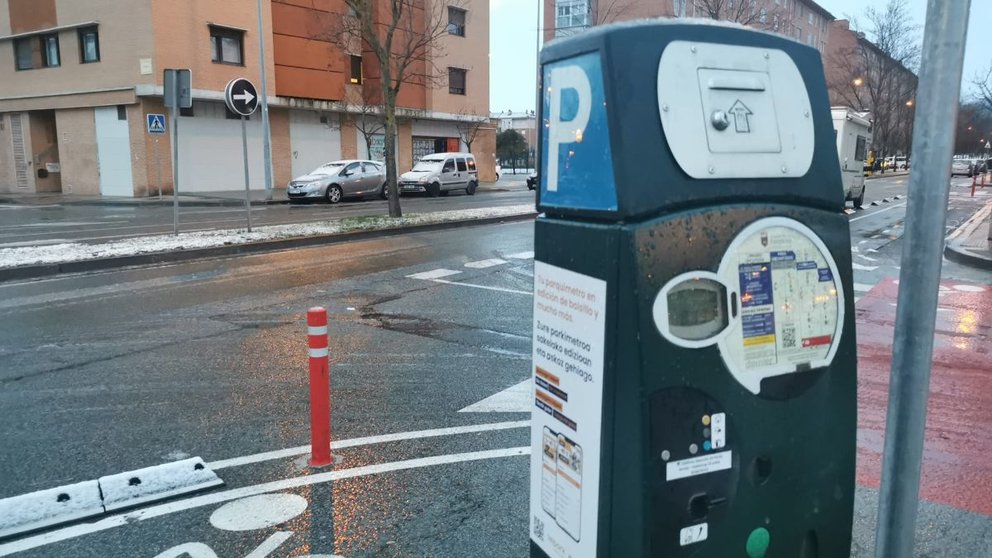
694	355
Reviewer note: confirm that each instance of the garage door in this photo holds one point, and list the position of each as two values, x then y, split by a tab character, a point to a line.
313	142
210	156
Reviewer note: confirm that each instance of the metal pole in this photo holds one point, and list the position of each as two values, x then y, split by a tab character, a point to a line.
158	167
174	78
919	278
244	144
263	100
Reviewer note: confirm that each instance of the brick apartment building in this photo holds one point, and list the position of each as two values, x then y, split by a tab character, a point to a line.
78	77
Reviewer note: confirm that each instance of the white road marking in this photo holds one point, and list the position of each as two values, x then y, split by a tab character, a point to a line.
857	298
514	399
34	243
860	267
485	287
862	287
521	256
483	264
193	550
863	257
258	512
877	212
270	544
969	288
79	530
369	440
433	274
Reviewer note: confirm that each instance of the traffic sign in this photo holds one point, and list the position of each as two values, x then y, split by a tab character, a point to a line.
156	123
241	97
182	96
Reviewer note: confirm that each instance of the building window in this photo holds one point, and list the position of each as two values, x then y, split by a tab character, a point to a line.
456	81
811	18
227	46
121	112
24	53
573	13
456	21
356	69
50	50
89	45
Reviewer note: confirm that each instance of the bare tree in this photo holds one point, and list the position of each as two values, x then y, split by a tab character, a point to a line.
469	127
403	37
609	11
743	12
876	74
983	83
368	118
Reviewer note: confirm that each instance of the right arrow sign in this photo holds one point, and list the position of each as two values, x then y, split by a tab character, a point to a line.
241	97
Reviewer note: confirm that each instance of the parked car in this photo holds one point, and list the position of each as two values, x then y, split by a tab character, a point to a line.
532	181
961	167
441	173
901	163
337	180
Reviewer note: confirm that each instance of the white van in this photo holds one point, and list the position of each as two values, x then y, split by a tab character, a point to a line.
853	131
441	173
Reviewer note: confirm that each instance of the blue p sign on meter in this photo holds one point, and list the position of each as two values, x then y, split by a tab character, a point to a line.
576	140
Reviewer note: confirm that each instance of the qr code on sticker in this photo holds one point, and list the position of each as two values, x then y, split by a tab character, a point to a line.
538	528
788	337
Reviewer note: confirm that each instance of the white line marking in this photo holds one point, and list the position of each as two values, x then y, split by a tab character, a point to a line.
876	212
863	257
862	287
488	288
269	545
434	274
258	512
514	399
483	264
228	495
369	440
521	256
860	267
857	298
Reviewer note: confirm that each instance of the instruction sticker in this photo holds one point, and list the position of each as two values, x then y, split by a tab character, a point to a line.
791	301
569	336
709	463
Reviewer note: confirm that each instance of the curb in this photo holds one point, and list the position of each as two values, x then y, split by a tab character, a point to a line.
879	175
145	202
102	264
954	250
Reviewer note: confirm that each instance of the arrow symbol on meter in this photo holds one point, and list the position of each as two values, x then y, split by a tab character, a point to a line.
245	96
741	113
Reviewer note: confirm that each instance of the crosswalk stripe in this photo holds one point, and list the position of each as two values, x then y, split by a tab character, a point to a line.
434	274
521	256
863	288
483	264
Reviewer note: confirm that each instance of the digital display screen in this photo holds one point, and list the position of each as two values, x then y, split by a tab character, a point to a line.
697	309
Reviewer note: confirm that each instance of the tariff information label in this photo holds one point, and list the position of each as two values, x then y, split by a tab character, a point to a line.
569	339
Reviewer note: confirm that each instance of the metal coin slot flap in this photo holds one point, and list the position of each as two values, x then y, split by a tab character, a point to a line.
791	301
746	115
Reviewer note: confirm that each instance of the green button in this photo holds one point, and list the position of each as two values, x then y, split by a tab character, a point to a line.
757	543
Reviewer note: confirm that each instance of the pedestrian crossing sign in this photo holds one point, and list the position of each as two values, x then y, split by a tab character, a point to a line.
156	123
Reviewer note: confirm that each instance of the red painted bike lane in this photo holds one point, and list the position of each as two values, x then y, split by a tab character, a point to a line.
957	459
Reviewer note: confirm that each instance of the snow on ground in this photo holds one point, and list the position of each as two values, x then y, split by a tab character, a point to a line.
77	251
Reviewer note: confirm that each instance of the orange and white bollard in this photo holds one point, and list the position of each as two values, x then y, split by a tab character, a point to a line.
320	388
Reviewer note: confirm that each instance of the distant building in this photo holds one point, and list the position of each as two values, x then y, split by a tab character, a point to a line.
79	77
524	122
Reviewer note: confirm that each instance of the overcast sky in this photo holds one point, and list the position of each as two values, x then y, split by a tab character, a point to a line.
514	24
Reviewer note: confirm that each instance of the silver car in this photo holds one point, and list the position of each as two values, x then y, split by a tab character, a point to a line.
337	180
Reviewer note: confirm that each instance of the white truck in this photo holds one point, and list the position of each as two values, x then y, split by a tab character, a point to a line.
853	132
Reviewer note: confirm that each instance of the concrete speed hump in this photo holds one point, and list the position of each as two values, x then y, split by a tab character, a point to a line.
694	371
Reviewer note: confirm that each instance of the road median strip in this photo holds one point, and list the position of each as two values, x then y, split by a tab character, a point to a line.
25	262
65	504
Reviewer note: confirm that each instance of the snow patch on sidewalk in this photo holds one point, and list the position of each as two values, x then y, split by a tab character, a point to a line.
77	251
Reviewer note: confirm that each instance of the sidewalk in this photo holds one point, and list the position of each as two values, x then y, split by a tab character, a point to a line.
970	244
232	198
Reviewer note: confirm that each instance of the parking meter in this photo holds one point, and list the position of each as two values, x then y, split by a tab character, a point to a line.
694	357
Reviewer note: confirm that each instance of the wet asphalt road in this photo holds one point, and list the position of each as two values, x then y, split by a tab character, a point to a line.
112	371
41	224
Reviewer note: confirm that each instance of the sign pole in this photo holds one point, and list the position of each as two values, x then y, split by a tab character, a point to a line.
174	79
158	167
244	144
916	312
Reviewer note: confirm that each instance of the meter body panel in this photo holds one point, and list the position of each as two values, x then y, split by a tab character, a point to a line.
718	417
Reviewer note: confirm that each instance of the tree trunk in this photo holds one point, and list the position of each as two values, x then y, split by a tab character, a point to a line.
390	152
